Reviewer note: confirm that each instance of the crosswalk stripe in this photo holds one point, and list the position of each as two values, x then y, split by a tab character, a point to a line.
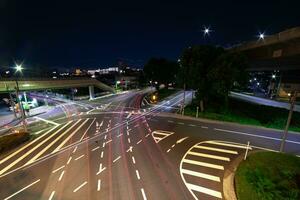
209	156
216	149
51	144
69	137
201	175
229	145
31	150
160	133
204	190
203	164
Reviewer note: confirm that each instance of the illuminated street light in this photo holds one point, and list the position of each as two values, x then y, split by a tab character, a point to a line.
206	31
18	68
261	36
273	76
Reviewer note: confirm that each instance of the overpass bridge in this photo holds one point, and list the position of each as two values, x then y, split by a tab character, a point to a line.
30	84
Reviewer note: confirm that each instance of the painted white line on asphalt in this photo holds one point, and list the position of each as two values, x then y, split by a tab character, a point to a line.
69	160
101	154
173	145
137	174
204	190
129	129
99	185
127	133
192	125
103	145
147	135
216	149
168	150
201	175
161	133
74	149
208	156
120	135
115	160
80	186
253	135
180	123
205	127
79	157
87	130
133	159
100	169
170	121
30	151
56	170
14	194
139	141
108	141
47	121
203	164
105	137
128	116
61	175
51	195
181	140
128	139
137	125
130	149
51	144
143	194
94	149
228	145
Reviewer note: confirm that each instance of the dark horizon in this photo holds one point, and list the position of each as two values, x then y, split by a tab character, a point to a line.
95	34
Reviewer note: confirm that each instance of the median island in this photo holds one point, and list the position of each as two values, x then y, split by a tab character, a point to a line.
268	176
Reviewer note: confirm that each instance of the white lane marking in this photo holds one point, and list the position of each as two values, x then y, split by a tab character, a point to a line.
168	150
51	195
201	175
181	123
70	136
170	121
208	156
61	175
137	125
253	135
51	144
129	130
181	140
127	133
147	135
133	160
94	149
128	139
57	169
216	149
137	174
87	130
79	157
108	141
116	159
105	137
74	149
192	125
14	194
47	121
99	185
69	160
143	194
24	147
130	149
203	164
139	141
159	135
103	145
31	150
128	116
228	144
173	145
120	135
80	186
100	169
101	154
204	190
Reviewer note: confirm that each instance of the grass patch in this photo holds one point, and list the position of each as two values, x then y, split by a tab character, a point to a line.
8	142
268	176
248	113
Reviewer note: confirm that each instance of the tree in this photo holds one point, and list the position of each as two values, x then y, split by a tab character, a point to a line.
228	71
195	63
161	70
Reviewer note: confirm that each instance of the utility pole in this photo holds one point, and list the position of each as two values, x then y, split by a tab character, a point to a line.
293	101
21	106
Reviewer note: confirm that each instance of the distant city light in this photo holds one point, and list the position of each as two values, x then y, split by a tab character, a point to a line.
255	79
250	80
273	76
7	72
289	94
261	36
206	31
257	83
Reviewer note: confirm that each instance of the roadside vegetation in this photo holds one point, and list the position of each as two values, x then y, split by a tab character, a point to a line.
268	176
8	142
247	113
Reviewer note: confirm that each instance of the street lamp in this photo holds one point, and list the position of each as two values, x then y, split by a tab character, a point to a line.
19	69
206	31
261	36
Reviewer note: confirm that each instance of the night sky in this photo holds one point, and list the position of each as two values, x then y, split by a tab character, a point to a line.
99	33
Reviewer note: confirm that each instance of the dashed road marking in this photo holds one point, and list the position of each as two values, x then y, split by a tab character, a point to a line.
115	160
99	185
61	175
94	149
133	160
139	141
56	170
137	174
79	157
80	186
51	195
143	194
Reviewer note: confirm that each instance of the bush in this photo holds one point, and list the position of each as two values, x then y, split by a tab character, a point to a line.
10	141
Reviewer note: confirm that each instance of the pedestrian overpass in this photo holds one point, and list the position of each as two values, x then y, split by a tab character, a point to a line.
31	84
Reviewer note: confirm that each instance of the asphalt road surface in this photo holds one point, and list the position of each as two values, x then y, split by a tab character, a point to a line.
113	148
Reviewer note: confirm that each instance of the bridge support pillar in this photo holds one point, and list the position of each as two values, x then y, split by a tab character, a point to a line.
91	92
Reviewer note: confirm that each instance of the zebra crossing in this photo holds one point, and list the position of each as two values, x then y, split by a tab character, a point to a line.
202	167
159	135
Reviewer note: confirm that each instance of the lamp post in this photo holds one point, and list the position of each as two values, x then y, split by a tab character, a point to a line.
19	69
